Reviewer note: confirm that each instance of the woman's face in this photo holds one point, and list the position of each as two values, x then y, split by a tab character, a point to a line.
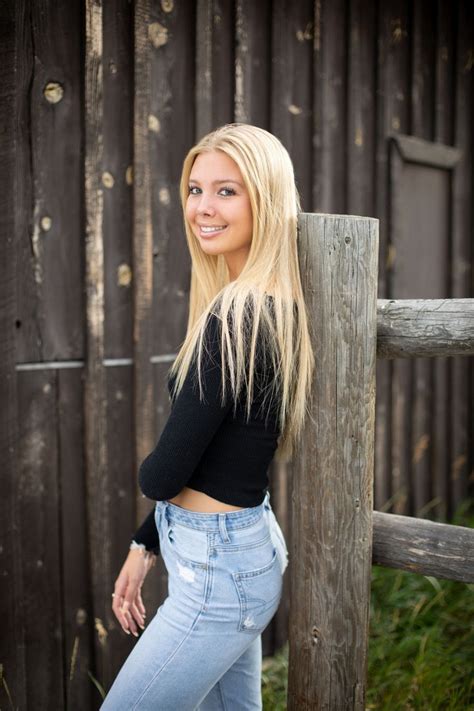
218	198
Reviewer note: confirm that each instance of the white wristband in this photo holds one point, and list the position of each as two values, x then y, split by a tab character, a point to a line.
134	545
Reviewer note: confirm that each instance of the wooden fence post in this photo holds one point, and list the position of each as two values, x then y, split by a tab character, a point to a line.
333	468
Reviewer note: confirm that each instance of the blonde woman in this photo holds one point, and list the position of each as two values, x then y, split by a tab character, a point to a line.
239	389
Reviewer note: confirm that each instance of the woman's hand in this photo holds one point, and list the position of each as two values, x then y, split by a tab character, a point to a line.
127	602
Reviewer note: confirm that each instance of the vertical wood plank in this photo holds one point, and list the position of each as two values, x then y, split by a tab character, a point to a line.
223	51
393	381
117	177
443	133
215	77
361	108
461	249
117	182
292	87
74	564
421	408
41	539
149	36
422	41
51	300
204	66
329	108
95	395
13	159
332	488
252	67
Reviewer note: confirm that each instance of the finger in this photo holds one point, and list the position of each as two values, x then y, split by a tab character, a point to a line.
128	602
117	609
117	600
139	603
137	615
131	624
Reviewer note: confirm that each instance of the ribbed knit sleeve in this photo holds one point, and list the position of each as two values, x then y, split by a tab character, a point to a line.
190	427
148	535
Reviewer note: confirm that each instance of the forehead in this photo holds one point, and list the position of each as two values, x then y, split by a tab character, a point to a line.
216	164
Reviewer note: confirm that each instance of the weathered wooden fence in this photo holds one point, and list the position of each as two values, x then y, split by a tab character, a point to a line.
336	534
99	103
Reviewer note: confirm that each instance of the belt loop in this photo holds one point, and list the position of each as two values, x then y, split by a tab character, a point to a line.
222	528
164	509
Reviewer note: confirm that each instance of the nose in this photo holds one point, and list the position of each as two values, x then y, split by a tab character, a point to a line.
205	206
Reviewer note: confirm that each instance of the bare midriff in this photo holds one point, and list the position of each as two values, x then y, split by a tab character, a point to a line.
198	501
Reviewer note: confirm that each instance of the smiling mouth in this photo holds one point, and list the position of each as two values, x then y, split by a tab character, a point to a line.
211	230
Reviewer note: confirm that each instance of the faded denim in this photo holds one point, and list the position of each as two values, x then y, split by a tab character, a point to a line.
202	651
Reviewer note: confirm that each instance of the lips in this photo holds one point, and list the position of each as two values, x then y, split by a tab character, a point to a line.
211	230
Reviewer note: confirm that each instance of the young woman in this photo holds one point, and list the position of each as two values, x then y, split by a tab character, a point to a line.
239	389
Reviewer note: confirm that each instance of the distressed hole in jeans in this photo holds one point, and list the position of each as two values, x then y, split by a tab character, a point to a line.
186	572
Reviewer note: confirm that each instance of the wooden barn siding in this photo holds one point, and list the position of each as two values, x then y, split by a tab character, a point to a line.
137	87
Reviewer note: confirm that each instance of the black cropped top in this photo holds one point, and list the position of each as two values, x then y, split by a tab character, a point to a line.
205	446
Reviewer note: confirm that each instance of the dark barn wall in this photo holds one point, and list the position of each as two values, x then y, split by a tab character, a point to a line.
100	102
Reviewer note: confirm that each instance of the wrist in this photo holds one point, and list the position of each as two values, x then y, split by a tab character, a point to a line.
141	548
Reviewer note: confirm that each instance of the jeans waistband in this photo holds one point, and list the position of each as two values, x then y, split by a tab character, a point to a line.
212	522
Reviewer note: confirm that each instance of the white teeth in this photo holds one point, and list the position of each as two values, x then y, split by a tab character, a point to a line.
212	229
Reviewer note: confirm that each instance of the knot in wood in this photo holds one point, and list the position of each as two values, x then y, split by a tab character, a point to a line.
53	92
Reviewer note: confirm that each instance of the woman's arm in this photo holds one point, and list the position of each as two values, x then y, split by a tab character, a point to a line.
147	534
190	427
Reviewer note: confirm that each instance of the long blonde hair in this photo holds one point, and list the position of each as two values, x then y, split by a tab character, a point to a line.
271	268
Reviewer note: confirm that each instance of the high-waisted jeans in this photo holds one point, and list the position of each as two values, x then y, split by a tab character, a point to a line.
202	651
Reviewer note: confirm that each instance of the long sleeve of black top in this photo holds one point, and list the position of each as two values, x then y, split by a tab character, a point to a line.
190	427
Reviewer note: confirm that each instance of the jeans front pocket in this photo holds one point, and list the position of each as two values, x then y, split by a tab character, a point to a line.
185	552
259	593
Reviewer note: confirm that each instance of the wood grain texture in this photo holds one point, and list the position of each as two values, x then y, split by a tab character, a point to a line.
461	408
117	182
390	55
423	547
95	394
329	107
252	65
292	88
13	159
142	245
41	539
76	608
50	294
414	328
442	133
333	478
98	271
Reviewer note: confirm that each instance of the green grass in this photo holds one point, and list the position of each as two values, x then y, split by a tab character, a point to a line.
421	646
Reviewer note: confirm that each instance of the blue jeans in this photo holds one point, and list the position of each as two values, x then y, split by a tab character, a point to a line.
202	651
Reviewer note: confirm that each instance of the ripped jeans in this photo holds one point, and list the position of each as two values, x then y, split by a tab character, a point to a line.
202	651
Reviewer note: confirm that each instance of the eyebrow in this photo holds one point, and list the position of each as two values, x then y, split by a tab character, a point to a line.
216	182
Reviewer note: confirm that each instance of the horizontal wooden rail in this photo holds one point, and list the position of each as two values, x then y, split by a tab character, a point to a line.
422	546
409	328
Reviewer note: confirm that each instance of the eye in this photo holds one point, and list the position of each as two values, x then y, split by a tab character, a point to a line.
230	191
227	191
